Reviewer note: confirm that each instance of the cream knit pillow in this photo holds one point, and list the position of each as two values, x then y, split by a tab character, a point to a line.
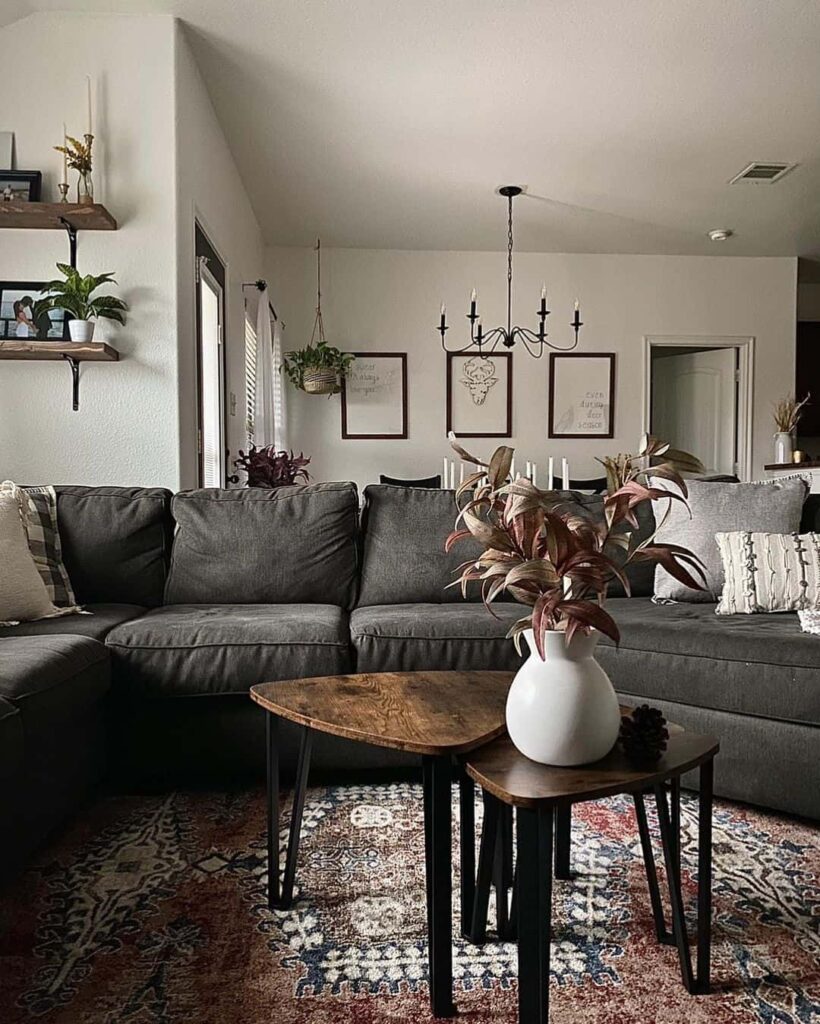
769	572
23	595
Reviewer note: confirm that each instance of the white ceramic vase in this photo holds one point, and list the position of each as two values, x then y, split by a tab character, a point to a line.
783	447
81	330
563	710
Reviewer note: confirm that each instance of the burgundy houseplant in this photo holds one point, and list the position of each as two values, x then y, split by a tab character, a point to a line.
266	467
557	557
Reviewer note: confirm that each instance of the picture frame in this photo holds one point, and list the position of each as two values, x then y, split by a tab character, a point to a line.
20	186
479	394
18	323
582	395
374	397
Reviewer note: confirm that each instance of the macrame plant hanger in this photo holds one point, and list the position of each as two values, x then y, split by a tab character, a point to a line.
319	380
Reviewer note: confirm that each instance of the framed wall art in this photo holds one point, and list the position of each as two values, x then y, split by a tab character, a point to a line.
19	321
374	397
20	186
479	394
582	394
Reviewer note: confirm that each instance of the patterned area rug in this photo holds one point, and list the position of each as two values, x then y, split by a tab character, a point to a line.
151	910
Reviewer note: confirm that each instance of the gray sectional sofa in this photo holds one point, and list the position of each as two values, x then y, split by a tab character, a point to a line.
197	596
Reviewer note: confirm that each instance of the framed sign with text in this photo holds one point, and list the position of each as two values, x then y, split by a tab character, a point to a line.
582	394
374	397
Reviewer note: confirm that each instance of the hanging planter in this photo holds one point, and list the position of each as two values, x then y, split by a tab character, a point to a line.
318	368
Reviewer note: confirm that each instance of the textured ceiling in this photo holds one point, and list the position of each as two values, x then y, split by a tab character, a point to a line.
388	123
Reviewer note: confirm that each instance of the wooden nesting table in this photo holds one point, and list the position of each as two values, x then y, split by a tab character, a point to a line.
439	715
542	797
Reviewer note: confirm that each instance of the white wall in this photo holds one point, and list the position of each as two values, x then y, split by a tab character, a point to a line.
126	431
209	190
389	301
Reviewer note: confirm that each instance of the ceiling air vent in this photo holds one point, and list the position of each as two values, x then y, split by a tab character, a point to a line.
758	171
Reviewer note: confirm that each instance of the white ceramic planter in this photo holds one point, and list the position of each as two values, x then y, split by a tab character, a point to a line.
783	447
81	330
563	710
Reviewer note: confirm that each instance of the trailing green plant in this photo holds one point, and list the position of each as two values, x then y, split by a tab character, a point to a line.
547	552
75	294
320	356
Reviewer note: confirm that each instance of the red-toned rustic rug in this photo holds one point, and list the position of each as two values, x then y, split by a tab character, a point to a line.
151	910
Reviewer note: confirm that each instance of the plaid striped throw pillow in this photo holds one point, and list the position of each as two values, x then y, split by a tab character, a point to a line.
44	543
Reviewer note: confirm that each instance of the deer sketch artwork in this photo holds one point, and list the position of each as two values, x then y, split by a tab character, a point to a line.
479	377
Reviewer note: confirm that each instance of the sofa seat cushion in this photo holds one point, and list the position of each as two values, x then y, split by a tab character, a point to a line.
97	625
189	650
53	677
759	665
415	637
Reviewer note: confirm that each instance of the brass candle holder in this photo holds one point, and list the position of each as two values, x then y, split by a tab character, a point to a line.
63	188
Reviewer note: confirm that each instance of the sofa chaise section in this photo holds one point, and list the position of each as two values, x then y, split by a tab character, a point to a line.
57	687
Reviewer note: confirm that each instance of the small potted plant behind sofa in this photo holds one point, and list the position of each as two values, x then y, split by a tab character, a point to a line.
547	552
75	294
266	467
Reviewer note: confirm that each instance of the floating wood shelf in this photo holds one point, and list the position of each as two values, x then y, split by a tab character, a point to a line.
74	353
795	467
51	216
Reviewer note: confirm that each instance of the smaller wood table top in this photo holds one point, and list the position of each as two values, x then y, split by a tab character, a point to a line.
514	779
431	713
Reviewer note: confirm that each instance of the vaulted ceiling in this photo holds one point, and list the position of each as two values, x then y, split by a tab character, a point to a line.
388	123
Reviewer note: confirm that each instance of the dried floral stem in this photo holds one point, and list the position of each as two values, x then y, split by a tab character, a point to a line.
787	413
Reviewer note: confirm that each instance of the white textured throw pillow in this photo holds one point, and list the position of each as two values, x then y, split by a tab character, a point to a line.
769	572
23	595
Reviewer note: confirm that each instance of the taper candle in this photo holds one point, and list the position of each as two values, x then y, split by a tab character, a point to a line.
565	474
88	97
550	473
64	179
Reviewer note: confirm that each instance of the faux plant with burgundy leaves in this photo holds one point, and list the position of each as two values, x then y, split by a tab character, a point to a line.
546	552
267	467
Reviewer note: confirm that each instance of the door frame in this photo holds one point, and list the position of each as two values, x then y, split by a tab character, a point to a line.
204	247
745	346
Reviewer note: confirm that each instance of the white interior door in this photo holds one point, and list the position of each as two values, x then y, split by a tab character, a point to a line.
694	404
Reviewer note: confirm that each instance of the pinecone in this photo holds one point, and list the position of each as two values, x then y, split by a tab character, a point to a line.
643	735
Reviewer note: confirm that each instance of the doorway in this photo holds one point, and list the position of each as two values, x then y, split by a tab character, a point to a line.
210	349
697	395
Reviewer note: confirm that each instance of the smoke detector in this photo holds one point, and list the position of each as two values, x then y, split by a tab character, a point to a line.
768	172
720	234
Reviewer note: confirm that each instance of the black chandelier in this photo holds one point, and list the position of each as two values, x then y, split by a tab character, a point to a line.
488	341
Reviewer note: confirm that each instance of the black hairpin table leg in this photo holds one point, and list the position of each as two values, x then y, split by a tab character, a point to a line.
438	839
466	794
300	787
563	841
662	932
484	878
272	736
675	894
705	802
534	878
503	871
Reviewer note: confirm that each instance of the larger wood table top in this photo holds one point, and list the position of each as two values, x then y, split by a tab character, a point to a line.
507	774
422	712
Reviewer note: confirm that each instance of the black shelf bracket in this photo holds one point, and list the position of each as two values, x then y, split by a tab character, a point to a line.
75	380
71	231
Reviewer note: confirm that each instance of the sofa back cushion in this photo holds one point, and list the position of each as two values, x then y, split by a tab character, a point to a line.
116	542
404	562
291	545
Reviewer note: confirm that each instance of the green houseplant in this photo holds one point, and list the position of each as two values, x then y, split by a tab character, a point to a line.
74	293
317	369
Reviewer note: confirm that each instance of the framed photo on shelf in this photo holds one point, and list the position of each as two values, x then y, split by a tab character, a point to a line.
20	186
374	397
582	394
18	320
479	394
